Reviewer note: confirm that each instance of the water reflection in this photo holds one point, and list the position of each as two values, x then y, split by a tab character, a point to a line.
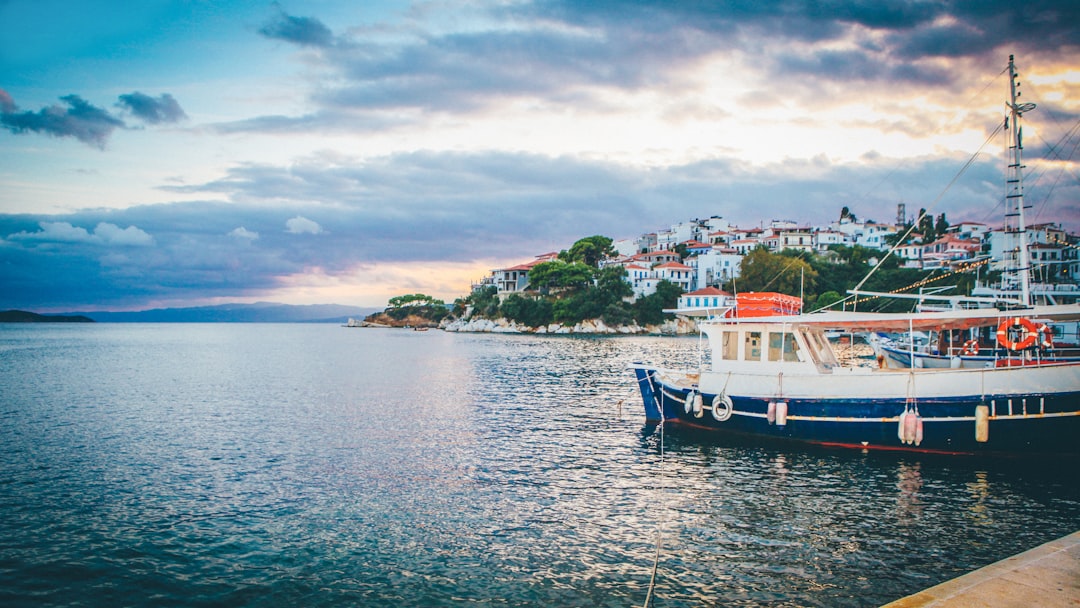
979	492
908	483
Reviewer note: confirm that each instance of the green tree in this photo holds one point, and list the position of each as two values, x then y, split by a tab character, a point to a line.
572	309
415	299
532	312
941	225
485	302
612	285
418	305
761	270
558	276
589	251
926	226
649	310
827	299
617	314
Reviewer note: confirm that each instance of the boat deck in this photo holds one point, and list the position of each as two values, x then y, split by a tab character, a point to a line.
1047	576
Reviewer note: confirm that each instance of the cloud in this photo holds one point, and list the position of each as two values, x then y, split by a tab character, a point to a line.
434	209
54	232
164	109
7	104
244	234
81	120
104	234
302	225
112	234
304	31
571	55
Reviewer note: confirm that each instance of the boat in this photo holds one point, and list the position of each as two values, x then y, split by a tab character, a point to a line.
1040	343
777	377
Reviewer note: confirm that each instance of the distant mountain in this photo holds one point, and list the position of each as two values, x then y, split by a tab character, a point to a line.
22	316
260	312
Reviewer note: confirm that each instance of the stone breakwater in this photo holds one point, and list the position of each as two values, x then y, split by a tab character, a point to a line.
593	326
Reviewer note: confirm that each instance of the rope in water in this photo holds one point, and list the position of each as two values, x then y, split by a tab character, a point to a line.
660	525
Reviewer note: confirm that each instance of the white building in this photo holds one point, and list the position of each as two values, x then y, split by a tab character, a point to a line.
677	273
717	266
707	298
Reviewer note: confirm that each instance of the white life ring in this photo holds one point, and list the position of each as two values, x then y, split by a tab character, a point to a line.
1045	336
721	407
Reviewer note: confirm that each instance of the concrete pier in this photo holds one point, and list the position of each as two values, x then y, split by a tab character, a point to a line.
1047	576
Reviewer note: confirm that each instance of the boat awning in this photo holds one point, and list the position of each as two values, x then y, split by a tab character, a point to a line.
715	311
923	321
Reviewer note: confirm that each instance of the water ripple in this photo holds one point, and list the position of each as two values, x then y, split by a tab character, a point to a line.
281	465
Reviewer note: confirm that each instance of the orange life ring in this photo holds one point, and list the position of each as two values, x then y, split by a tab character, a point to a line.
971	348
1045	336
1027	339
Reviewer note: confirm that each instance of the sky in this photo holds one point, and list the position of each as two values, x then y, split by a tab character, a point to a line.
180	153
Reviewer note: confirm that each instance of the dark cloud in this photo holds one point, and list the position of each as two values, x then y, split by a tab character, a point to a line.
163	109
449	207
570	53
858	66
305	31
80	119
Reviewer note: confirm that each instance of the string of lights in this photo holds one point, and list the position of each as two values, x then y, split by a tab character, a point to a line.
966	267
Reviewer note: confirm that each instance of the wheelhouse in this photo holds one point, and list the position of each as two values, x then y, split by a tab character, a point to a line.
752	345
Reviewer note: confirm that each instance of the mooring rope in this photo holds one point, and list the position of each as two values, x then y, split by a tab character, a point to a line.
659	529
660	524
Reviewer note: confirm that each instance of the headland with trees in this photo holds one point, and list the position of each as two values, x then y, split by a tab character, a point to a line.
578	292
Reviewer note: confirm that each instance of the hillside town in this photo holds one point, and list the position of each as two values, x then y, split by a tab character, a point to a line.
700	255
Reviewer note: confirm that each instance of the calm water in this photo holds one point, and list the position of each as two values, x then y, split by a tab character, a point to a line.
314	465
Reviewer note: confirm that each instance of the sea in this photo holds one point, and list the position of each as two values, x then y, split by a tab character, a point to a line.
316	465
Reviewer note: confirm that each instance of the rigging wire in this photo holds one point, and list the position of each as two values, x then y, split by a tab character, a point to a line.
970	102
963	169
1054	152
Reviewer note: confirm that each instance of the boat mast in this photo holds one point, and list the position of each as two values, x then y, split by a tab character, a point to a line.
1018	262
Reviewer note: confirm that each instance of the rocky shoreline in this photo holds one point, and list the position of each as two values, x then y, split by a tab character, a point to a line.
679	326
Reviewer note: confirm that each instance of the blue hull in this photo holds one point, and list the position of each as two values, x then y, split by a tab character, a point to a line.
1016	424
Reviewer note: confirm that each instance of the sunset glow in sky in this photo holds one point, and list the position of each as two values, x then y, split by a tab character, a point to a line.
174	153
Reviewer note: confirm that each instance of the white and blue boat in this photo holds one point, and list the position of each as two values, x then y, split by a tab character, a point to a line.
779	378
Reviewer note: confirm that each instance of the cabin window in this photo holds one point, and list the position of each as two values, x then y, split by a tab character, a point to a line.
819	348
729	345
752	346
782	347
